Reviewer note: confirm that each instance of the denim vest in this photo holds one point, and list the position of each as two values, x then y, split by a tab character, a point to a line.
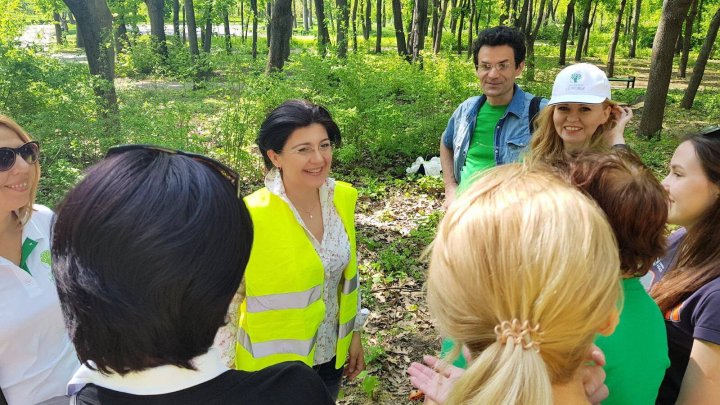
512	132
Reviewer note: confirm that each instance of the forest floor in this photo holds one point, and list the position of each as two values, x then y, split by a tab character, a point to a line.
395	221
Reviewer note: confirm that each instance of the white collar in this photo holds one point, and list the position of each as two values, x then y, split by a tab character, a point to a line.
154	381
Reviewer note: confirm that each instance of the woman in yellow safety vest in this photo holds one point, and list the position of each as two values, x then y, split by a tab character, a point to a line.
300	300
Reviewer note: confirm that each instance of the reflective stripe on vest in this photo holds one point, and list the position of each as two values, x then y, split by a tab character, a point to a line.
297	300
286	346
283	308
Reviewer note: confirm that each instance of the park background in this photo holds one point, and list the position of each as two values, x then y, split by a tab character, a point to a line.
200	75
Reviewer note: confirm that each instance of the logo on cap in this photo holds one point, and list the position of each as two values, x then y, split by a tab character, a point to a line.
576	77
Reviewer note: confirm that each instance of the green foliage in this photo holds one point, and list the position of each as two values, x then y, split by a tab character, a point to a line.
369	383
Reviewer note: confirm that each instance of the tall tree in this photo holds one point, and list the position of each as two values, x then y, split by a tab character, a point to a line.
226	25
636	22
417	32
96	21
323	35
589	29
615	38
254	10
343	22
306	16
156	12
439	28
353	22
582	28
281	28
701	62
378	26
569	15
58	28
673	13
176	18
192	28
398	25
367	25
207	32
687	38
531	33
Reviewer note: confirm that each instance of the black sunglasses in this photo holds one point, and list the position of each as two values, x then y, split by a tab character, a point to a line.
30	152
228	173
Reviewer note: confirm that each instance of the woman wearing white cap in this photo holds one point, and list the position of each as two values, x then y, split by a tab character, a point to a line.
580	115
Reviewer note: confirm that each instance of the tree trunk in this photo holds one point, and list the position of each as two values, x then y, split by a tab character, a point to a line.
207	38
243	23
570	13
323	35
342	28
368	21
530	37
673	13
634	35
192	28
614	41
306	16
687	42
699	69
522	19
582	28
589	28
399	32
471	20
254	10
439	29
96	21
64	22
58	28
79	39
461	23
453	16
281	28
226	23
176	18
378	25
184	31
121	37
354	23
417	33
156	12
435	18
268	18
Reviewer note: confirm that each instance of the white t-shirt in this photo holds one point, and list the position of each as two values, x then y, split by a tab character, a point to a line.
37	358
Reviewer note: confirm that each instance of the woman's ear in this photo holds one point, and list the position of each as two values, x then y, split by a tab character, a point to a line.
275	158
612	321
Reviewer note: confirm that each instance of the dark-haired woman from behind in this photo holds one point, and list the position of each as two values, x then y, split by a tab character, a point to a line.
686	281
301	297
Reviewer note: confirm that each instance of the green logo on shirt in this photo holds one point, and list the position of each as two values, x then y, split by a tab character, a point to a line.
45	258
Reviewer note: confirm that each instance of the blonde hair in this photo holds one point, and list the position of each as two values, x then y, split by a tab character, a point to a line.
547	146
25	212
522	247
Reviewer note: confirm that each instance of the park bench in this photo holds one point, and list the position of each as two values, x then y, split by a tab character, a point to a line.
628	80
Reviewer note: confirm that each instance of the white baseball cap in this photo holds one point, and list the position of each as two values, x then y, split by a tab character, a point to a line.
580	83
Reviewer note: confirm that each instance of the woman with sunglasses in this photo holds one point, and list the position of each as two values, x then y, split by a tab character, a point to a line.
301	297
36	356
686	281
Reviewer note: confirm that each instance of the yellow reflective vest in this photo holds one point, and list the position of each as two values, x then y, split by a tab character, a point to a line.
284	280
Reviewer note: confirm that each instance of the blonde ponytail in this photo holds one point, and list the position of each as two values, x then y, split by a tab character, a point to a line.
524	270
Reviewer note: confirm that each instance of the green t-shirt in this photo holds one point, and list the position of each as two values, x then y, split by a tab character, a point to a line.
481	151
637	352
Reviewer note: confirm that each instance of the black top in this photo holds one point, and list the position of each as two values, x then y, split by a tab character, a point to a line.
291	383
697	317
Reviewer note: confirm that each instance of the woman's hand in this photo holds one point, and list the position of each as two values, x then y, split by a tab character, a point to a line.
593	376
622	115
434	378
356	358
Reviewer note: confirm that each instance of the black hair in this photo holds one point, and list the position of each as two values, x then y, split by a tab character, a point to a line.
148	251
286	118
497	36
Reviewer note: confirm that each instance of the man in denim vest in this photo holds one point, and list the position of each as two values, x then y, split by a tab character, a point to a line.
494	128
